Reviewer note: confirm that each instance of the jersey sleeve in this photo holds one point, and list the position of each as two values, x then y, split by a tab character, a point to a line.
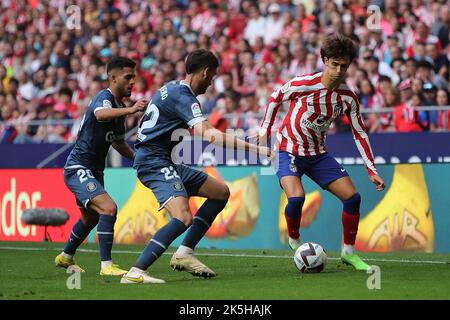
104	101
188	109
360	135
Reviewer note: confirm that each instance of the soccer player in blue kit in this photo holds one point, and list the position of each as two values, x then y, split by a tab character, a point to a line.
103	125
173	107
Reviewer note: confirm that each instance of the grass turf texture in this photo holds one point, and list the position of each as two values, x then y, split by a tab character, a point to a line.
242	274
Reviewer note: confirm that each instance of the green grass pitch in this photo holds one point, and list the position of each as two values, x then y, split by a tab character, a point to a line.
28	272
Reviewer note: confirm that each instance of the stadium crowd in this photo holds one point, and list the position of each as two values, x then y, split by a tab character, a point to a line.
53	57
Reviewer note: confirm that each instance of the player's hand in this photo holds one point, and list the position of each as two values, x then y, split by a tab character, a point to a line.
265	151
378	182
140	105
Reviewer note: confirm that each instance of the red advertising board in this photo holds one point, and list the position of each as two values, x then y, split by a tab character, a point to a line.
34	188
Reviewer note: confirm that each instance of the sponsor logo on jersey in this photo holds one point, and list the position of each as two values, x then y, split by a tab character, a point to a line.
107	104
196	110
91	186
110	136
311	125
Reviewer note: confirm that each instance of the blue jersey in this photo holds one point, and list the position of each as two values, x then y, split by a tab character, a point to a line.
95	137
174	106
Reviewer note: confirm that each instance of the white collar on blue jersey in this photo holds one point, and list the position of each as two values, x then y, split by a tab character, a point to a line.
185	84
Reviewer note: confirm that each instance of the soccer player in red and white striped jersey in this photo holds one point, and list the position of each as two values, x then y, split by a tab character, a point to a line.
314	102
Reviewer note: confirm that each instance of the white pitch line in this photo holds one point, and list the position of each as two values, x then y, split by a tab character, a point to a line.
244	255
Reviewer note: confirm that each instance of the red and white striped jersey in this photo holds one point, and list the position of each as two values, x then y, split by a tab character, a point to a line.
312	109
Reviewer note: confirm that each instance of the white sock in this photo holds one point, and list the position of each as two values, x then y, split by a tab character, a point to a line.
348	249
106	263
183	251
67	256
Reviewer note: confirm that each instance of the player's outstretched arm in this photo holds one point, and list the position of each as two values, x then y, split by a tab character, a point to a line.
212	135
106	114
123	148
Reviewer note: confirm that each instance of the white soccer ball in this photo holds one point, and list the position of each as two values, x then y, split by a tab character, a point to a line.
310	257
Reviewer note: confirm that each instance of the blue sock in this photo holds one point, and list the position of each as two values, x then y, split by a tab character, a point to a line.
79	232
293	215
159	243
105	231
202	221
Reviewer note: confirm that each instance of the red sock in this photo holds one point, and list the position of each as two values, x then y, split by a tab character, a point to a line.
350	223
293	226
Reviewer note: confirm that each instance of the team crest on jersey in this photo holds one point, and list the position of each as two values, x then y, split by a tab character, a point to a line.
292	167
337	110
107	104
91	186
196	110
178	186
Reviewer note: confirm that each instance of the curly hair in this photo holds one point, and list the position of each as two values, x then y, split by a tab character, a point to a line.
338	46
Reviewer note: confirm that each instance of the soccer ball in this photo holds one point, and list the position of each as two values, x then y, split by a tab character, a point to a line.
310	257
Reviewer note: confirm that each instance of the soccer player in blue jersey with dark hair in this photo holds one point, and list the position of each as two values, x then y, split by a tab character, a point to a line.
103	125
175	106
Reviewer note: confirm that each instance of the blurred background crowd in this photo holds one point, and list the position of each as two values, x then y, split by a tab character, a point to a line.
53	56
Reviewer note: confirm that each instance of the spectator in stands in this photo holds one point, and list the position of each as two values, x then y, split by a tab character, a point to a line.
255	25
429	119
273	29
370	100
406	116
443	100
391	100
58	133
439	61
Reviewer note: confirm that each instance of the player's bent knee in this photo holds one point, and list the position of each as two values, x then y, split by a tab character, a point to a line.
296	202
109	209
352	204
185	217
224	193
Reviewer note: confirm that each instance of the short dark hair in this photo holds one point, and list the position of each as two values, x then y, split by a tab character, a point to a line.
338	46
65	92
120	63
200	59
424	64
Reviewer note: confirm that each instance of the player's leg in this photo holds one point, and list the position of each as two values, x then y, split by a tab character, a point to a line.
217	193
330	175
79	233
85	224
178	207
168	188
107	211
295	195
289	173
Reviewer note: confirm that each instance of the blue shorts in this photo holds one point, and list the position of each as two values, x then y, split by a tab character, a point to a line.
322	169
168	180
84	184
